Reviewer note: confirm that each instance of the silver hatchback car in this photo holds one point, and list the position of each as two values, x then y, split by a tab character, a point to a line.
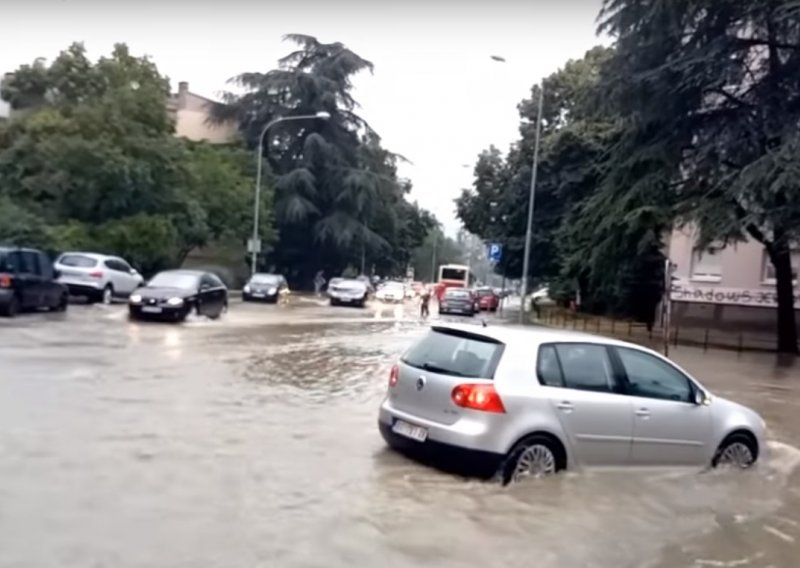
519	402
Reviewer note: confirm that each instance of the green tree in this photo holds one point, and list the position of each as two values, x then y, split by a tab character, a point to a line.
338	200
94	157
435	249
573	247
709	97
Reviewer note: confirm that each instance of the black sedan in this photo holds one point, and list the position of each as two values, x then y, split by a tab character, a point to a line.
174	294
264	287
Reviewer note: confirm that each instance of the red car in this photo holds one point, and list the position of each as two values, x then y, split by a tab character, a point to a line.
487	299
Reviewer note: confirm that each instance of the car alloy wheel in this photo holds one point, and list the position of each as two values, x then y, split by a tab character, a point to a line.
536	460
737	451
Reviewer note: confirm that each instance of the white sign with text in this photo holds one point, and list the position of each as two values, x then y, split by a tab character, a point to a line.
689	292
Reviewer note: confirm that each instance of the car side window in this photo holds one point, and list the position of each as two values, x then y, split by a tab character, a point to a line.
12	262
111	265
206	281
548	369
650	377
215	281
586	367
45	266
122	266
30	263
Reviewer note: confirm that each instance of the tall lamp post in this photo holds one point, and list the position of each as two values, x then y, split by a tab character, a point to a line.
255	245
531	198
531	203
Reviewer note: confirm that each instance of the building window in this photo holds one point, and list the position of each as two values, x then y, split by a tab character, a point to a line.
768	270
707	264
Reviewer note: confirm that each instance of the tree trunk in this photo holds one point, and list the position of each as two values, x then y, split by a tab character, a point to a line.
779	254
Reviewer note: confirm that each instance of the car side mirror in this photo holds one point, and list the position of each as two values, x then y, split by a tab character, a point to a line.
134	272
700	397
56	274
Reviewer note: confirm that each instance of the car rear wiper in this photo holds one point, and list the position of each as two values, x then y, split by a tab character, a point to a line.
436	369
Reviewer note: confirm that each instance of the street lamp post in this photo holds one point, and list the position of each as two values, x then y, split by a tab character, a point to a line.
531	198
255	247
531	203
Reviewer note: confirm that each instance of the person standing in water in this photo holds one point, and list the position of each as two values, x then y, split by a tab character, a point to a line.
424	302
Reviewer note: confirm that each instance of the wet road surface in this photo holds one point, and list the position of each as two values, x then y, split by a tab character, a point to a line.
251	441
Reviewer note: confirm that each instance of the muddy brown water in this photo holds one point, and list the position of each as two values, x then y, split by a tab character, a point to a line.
251	441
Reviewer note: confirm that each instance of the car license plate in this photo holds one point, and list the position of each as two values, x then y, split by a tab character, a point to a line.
151	310
258	295
417	433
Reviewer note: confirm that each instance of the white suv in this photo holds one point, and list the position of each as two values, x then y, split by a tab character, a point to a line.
98	277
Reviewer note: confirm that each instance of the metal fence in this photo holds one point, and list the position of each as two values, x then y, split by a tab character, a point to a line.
698	336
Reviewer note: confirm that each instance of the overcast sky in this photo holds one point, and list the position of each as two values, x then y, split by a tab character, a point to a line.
435	97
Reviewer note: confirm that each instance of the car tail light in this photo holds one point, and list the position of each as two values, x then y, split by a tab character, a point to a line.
96	274
394	375
5	281
478	397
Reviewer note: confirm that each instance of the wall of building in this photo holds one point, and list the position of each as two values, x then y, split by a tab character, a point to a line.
736	294
191	113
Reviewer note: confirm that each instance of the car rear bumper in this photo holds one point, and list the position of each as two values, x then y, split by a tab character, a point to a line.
84	288
448	457
6	295
457	309
469	442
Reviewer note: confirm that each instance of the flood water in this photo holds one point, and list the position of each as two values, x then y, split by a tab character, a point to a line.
251	441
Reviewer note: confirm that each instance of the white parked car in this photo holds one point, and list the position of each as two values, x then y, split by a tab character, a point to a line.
98	277
391	292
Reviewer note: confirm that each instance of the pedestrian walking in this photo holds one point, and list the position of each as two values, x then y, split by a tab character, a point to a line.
319	282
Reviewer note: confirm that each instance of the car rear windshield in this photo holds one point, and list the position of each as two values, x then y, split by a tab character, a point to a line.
485	292
456	353
78	261
456	294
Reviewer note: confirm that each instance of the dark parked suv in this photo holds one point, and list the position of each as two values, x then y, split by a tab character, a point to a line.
27	282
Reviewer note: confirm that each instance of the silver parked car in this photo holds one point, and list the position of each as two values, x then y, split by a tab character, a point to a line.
98	277
519	402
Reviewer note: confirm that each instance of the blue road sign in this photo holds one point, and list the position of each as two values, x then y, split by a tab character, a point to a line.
495	252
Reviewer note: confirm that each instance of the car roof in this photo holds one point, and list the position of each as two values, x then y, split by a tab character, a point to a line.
94	255
184	271
8	248
532	333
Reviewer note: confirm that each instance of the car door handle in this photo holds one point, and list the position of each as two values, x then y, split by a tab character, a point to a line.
565	406
643	412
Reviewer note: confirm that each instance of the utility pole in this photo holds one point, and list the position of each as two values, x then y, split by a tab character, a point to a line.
531	203
666	304
433	256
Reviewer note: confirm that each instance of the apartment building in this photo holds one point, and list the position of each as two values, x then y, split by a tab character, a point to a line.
191	113
724	286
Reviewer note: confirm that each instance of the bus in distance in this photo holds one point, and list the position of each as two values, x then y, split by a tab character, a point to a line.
452	276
